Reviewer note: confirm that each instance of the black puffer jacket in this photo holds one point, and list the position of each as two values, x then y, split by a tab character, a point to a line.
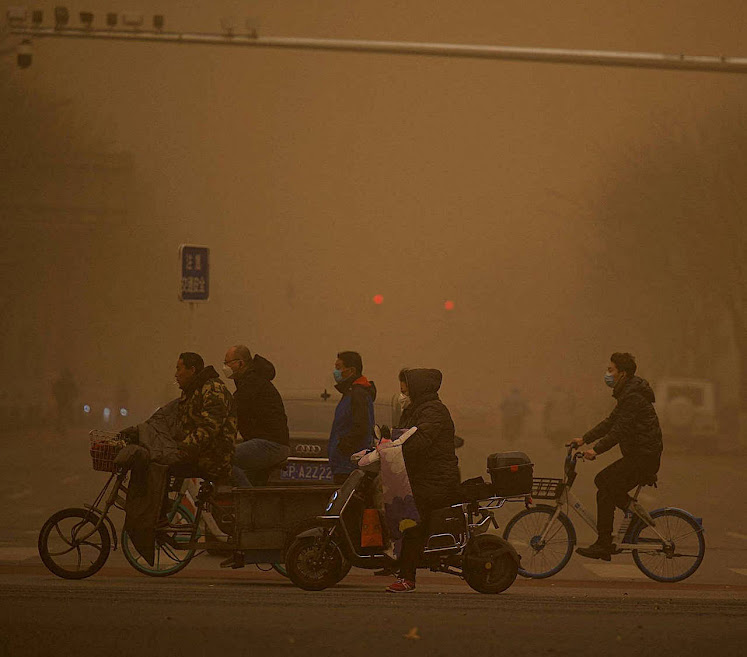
259	407
431	461
633	424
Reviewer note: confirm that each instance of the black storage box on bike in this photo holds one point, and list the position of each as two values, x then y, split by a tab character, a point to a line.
511	473
475	489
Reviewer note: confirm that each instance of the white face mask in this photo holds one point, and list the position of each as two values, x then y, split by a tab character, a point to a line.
227	371
404	400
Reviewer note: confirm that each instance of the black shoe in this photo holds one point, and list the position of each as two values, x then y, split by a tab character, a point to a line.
597	550
236	560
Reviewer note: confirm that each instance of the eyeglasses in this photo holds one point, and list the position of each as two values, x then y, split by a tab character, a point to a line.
226	362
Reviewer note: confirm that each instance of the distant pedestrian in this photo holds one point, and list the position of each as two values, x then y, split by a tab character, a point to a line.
558	416
513	412
352	429
65	392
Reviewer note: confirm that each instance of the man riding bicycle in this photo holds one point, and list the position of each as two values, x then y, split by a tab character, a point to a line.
634	425
206	416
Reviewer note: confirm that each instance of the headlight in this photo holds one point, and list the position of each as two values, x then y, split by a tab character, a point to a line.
331	501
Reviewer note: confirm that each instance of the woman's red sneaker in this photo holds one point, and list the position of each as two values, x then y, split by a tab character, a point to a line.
401	586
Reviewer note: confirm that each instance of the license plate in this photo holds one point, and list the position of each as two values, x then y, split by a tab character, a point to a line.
307	472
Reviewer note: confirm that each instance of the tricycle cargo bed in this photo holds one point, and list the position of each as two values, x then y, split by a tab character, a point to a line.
266	516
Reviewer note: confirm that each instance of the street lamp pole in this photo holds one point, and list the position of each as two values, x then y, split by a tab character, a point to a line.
721	64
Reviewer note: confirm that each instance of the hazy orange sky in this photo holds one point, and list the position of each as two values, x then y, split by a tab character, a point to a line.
321	179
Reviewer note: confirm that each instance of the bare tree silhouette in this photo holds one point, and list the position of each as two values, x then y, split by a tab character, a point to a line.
675	226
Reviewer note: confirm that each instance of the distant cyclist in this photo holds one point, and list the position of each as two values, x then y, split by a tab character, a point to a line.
633	425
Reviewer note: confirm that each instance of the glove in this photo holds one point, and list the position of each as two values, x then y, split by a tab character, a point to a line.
131	435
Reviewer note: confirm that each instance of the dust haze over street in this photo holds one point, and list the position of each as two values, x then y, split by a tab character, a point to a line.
509	223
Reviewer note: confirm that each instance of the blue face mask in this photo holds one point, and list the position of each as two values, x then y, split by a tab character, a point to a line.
338	376
609	379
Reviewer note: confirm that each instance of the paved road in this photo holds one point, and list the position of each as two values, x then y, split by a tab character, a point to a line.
238	614
590	608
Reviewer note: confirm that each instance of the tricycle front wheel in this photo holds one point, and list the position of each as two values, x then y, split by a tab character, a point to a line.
74	543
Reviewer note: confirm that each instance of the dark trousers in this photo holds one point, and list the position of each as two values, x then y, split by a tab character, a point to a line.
613	484
415	539
413	544
179	470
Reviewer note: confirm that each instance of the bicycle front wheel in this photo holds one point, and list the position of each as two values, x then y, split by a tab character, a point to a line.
74	543
671	551
172	553
541	557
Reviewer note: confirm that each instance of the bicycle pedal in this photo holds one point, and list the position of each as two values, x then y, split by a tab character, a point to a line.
167	540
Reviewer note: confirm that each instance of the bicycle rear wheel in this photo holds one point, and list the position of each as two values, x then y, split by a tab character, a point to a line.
678	555
74	543
541	558
171	552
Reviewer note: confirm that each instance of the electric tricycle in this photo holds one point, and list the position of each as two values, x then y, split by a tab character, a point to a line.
261	522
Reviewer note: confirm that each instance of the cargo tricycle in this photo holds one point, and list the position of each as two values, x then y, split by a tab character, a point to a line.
75	543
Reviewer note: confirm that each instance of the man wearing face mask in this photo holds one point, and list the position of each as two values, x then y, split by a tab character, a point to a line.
633	425
352	429
262	422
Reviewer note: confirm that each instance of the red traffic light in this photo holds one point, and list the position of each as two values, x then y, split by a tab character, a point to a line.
448	305
378	299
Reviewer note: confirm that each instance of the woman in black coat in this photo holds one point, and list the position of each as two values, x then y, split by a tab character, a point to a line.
431	461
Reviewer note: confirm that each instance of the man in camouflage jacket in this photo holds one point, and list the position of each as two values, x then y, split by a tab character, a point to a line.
207	419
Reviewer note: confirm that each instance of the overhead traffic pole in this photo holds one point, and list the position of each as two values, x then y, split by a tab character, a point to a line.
710	63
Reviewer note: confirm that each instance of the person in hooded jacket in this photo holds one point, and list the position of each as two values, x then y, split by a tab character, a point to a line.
634	426
262	421
352	428
430	459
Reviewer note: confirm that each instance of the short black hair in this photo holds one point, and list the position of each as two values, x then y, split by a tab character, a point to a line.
624	362
191	359
403	375
352	359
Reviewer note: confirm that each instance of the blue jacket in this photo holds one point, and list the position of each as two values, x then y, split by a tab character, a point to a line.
352	429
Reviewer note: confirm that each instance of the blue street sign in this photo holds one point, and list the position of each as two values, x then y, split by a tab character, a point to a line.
195	273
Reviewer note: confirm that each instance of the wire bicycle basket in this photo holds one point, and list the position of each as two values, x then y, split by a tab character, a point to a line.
105	445
546	488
